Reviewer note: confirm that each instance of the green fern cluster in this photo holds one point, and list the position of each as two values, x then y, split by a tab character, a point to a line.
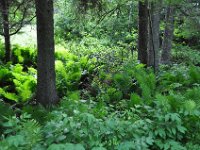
178	78
24	55
185	54
17	85
70	69
130	81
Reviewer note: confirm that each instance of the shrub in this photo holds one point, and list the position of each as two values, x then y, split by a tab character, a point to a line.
17	85
24	55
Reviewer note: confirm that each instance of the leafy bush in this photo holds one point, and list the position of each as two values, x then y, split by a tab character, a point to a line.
185	54
24	55
23	133
122	83
75	125
70	70
17	85
178	78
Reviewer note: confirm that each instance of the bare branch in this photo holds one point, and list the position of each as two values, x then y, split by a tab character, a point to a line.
21	25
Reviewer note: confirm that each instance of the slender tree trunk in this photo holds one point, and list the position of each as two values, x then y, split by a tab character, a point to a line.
6	29
143	32
46	85
154	30
168	35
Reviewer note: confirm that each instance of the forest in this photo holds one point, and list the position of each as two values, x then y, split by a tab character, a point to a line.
99	75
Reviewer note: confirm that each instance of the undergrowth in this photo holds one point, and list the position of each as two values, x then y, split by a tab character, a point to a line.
105	104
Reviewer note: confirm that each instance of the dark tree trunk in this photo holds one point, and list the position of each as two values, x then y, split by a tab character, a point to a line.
46	85
168	35
154	30
6	32
143	32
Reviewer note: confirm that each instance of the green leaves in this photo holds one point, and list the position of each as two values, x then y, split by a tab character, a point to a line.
70	127
71	70
67	146
123	107
25	56
22	133
17	85
10	96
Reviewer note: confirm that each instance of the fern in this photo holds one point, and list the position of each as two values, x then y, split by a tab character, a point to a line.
194	75
146	81
24	55
193	94
17	85
10	96
24	133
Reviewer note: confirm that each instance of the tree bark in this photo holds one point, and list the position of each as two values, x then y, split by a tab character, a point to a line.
154	30
143	32
6	29
46	85
168	35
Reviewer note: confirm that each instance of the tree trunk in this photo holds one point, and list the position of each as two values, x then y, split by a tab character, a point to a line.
168	35
46	85
6	29
154	30
143	32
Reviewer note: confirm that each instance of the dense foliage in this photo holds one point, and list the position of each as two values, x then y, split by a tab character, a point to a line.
105	105
108	100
